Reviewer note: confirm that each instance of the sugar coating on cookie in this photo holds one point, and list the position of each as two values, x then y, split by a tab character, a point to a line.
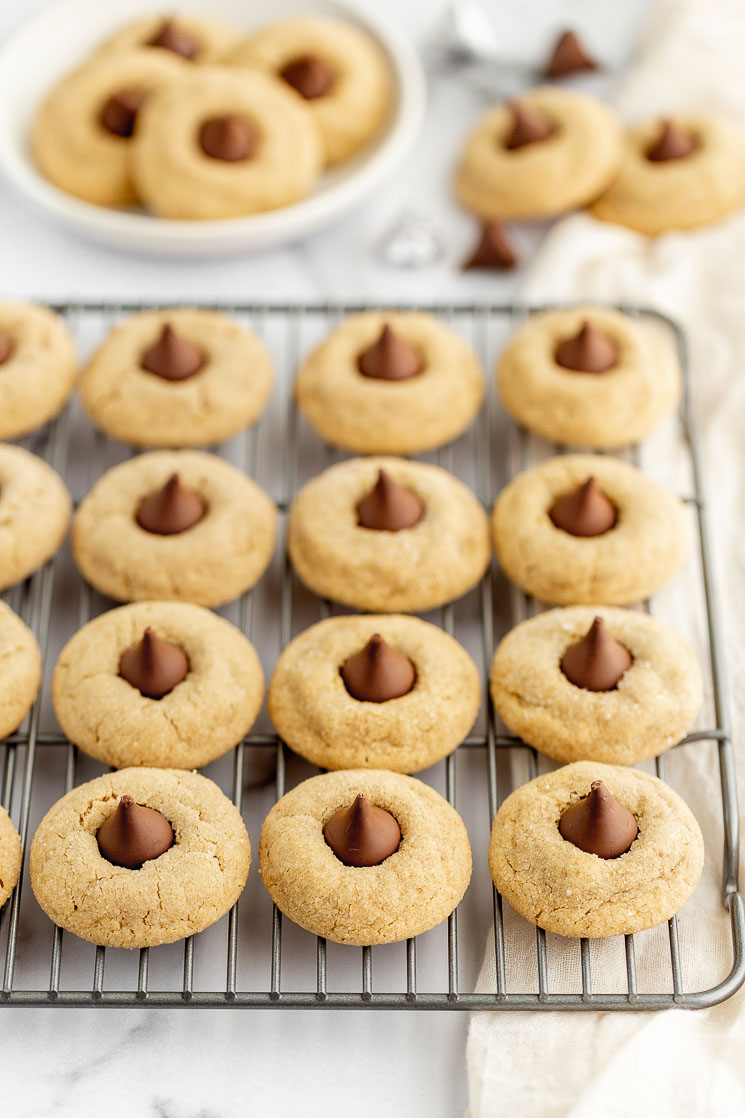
227	393
371	415
654	197
569	168
626	564
315	714
38	367
189	887
11	856
358	85
204	40
34	513
570	892
20	670
435	561
201	718
651	707
211	562
410	892
597	410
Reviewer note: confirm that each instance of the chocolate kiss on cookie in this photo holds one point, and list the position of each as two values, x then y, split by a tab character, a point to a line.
170	36
389	507
599	824
6	346
589	351
493	250
529	126
119	114
133	835
153	666
361	834
390	358
231	138
672	143
378	672
584	512
569	57
172	357
598	661
309	75
171	509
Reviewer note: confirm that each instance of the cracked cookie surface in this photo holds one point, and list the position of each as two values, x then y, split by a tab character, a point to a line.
40	372
34	513
11	856
20	670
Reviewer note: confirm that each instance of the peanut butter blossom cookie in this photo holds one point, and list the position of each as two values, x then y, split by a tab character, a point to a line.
548	152
390	383
177	525
195	39
20	670
676	174
336	68
11	855
38	367
364	856
224	142
586	528
595	850
596	684
179	377
588	376
386	692
388	535
34	513
82	135
140	857
166	684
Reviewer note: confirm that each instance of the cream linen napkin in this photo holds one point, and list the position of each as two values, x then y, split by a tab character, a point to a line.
678	1062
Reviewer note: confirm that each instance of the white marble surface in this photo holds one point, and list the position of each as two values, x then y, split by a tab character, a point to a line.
202	1064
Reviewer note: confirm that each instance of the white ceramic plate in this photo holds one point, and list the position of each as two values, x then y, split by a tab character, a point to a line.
62	35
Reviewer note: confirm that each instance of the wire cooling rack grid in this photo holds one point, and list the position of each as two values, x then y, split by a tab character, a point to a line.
253	958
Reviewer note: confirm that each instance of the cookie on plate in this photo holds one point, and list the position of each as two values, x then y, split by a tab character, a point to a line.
592	684
176	525
365	856
34	513
20	671
177	377
388	535
595	850
194	38
381	692
164	684
11	856
390	383
337	69
584	528
542	155
676	174
140	857
588	376
38	367
82	135
224	142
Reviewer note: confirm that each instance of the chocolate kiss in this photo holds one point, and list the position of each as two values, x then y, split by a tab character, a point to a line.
529	126
493	250
585	512
589	351
389	358
171	509
672	143
569	57
133	835
378	672
153	666
172	357
6	346
389	507
599	824
598	661
119	114
231	138
361	834
310	76
171	37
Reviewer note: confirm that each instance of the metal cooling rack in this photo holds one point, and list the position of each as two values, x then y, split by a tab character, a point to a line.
247	959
